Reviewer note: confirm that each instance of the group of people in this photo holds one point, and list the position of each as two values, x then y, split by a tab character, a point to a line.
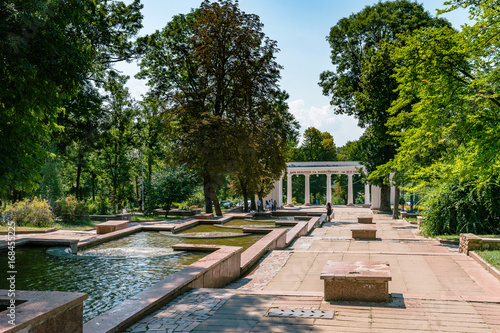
268	207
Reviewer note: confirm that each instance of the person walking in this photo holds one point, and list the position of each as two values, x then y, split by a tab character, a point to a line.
329	212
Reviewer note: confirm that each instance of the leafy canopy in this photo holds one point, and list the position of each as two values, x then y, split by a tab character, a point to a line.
447	115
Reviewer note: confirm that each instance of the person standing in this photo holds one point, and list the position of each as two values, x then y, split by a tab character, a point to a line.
258	205
329	212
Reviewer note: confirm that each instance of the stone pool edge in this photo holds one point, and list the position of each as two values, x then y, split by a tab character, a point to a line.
215	270
219	268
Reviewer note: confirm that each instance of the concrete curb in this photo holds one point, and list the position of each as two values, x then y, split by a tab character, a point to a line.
485	264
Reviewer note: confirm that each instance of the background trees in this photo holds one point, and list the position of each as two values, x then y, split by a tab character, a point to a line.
54	53
363	85
215	74
446	119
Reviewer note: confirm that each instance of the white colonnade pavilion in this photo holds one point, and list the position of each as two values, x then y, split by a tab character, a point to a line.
349	168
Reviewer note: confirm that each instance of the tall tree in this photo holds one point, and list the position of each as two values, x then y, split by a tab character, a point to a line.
363	84
42	61
214	69
49	51
261	157
316	146
451	81
118	141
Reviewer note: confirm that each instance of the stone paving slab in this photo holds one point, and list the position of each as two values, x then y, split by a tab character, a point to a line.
211	310
433	288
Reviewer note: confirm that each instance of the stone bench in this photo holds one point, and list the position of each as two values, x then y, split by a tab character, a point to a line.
110	226
356	281
365	218
364	232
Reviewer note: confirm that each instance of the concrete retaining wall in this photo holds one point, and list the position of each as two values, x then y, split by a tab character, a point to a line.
300	229
471	242
276	239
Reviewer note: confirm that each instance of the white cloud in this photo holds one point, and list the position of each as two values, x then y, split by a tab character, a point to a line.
343	128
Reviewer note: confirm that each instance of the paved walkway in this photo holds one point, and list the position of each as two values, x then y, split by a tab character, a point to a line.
433	288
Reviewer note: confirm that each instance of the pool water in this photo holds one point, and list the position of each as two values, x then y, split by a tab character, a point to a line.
107	280
111	272
244	242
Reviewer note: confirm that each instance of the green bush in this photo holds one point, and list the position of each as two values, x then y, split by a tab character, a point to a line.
71	210
31	213
453	209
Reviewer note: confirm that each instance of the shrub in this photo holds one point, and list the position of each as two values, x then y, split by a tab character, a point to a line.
453	209
71	210
34	213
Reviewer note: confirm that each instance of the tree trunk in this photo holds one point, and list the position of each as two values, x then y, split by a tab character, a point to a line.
252	202
150	167
206	191
385	198
395	211
245	201
93	186
137	190
215	201
167	209
78	175
245	195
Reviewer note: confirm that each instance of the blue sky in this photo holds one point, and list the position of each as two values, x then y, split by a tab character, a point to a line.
300	27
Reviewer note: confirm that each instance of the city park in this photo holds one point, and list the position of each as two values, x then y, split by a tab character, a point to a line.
141	216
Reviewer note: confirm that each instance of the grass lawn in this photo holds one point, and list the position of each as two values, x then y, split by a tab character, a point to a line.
449	237
457	237
492	257
411	219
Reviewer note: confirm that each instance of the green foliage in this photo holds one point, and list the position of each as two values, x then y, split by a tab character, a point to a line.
454	209
351	151
49	51
363	84
71	210
30	213
449	102
174	184
196	199
51	185
317	146
117	142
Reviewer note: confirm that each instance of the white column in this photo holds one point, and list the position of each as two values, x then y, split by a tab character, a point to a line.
280	192
375	197
289	190
308	192
329	187
367	195
350	200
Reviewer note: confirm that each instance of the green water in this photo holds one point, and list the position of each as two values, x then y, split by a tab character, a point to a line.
109	273
244	242
108	282
239	223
